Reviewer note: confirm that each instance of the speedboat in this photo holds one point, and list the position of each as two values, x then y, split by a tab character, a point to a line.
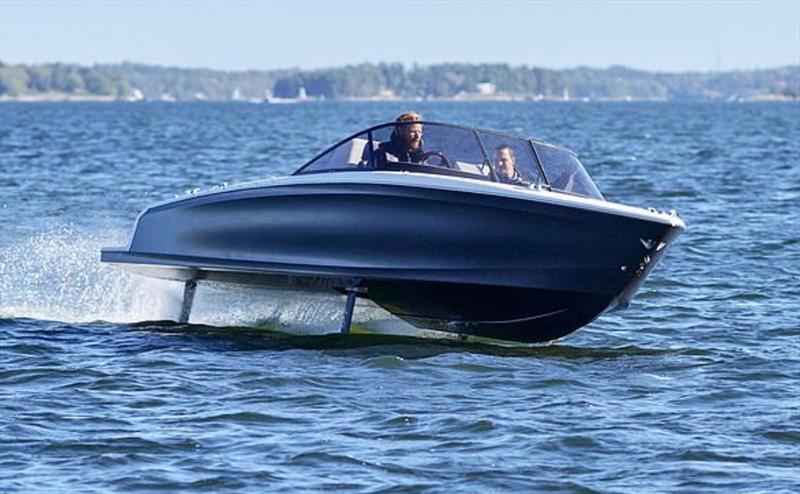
445	242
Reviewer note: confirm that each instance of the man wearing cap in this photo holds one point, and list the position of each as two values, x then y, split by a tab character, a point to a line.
405	143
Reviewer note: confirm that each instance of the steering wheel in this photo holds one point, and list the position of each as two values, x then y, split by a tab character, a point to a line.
445	162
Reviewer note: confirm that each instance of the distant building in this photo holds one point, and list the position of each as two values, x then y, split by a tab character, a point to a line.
387	94
486	88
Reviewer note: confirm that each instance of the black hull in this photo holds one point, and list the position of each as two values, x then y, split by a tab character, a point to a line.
506	267
506	313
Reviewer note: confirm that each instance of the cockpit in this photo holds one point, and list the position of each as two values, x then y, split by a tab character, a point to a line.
446	149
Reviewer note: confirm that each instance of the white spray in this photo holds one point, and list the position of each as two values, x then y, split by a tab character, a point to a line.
57	275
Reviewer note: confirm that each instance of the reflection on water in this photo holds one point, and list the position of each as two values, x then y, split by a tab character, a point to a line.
366	342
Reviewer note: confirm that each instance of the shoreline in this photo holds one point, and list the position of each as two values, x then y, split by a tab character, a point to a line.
88	98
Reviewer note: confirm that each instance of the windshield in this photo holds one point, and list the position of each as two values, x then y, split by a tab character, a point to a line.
565	172
512	159
450	150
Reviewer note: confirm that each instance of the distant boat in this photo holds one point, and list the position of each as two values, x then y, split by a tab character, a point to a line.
135	95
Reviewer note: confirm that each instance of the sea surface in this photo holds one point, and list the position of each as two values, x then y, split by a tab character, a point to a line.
694	388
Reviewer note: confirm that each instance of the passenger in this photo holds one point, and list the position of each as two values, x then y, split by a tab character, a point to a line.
505	166
405	144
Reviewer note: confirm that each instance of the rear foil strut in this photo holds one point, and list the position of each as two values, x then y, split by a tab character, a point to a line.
347	316
189	289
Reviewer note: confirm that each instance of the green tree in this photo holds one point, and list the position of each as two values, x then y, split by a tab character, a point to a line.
13	80
66	79
96	83
40	78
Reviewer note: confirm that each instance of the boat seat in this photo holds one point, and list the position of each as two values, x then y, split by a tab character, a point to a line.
349	153
359	154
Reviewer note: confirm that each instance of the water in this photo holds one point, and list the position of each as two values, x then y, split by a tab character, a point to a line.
695	388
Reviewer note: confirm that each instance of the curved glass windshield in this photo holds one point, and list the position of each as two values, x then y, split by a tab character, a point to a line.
445	149
350	154
512	159
565	172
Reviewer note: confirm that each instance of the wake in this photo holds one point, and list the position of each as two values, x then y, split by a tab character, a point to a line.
57	275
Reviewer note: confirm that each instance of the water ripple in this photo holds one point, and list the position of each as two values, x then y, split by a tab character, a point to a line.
692	389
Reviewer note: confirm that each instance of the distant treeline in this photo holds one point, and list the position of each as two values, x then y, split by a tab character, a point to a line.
436	81
19	80
386	81
622	82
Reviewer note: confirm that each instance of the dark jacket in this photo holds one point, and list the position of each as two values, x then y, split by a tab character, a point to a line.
396	150
515	180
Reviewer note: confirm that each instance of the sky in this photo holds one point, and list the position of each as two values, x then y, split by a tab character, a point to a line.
251	34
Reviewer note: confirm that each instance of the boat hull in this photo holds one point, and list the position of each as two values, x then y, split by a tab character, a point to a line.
508	266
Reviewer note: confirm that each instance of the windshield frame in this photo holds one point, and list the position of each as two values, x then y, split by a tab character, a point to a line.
370	131
491	176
